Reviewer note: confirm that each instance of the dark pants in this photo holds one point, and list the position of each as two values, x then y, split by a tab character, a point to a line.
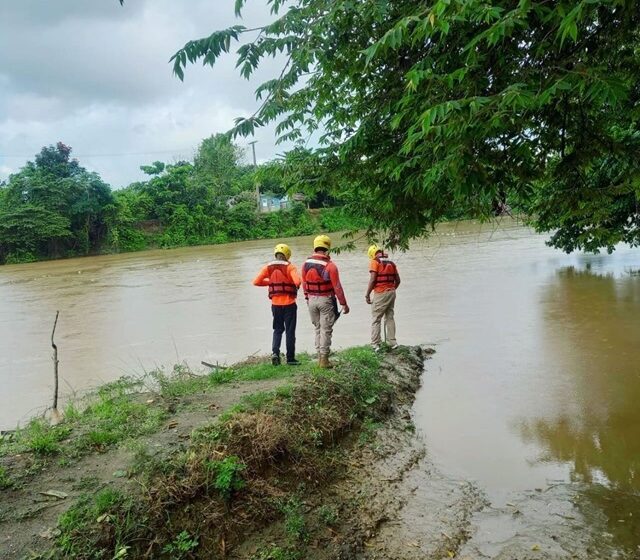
284	320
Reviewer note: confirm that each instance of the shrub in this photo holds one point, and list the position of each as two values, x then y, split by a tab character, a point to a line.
227	477
181	545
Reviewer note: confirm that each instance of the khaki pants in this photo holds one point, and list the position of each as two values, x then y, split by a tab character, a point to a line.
323	317
382	306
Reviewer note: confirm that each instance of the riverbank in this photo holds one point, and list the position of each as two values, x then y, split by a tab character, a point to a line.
246	226
253	461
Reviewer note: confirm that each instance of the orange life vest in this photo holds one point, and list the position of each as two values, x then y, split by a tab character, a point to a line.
315	276
387	273
280	281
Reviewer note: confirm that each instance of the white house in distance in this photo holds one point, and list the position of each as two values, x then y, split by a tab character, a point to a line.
272	203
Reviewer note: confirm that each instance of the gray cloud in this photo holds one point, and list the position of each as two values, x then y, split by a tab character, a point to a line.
96	76
33	13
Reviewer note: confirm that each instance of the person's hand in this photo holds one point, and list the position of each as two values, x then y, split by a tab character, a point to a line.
345	309
367	298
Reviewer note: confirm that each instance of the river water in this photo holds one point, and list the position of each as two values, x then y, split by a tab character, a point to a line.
536	379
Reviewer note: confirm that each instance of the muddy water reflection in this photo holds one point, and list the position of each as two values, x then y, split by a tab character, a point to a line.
538	383
599	434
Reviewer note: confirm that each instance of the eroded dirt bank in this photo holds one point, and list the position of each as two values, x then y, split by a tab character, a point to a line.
393	503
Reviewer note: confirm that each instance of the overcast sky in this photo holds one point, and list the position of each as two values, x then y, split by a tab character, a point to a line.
96	76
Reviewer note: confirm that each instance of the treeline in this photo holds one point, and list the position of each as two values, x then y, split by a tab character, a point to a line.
53	207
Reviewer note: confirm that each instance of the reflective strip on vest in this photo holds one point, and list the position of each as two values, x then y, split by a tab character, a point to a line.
317	261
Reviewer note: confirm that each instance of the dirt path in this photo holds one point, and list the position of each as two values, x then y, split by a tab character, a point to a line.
28	517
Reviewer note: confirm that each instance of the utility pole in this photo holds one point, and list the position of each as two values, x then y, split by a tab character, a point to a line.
255	166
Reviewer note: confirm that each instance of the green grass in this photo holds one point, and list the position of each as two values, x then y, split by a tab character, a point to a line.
71	413
294	522
328	515
182	381
113	414
84	526
256	372
297	425
368	430
362	379
212	433
250	461
5	479
181	546
226	475
37	436
88	482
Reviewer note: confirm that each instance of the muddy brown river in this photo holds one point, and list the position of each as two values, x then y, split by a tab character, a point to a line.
533	395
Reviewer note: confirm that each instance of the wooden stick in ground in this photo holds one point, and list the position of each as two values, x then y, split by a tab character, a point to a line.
55	414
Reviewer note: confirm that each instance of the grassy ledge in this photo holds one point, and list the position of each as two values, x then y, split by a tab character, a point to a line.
117	412
253	466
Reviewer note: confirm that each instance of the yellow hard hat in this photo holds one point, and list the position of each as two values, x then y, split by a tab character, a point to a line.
373	250
322	242
284	249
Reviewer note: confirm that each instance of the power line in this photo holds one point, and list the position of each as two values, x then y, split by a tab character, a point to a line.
125	154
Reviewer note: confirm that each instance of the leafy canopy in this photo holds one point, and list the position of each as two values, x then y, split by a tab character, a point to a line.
218	164
52	206
424	108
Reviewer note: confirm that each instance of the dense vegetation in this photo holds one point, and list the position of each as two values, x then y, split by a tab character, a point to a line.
426	111
54	207
51	206
425	107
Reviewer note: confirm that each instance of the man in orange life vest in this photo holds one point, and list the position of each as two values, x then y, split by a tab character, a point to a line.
283	282
321	284
383	281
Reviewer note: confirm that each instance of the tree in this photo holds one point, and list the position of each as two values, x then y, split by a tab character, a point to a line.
155	168
272	178
217	165
53	198
175	186
594	209
30	231
56	161
425	107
